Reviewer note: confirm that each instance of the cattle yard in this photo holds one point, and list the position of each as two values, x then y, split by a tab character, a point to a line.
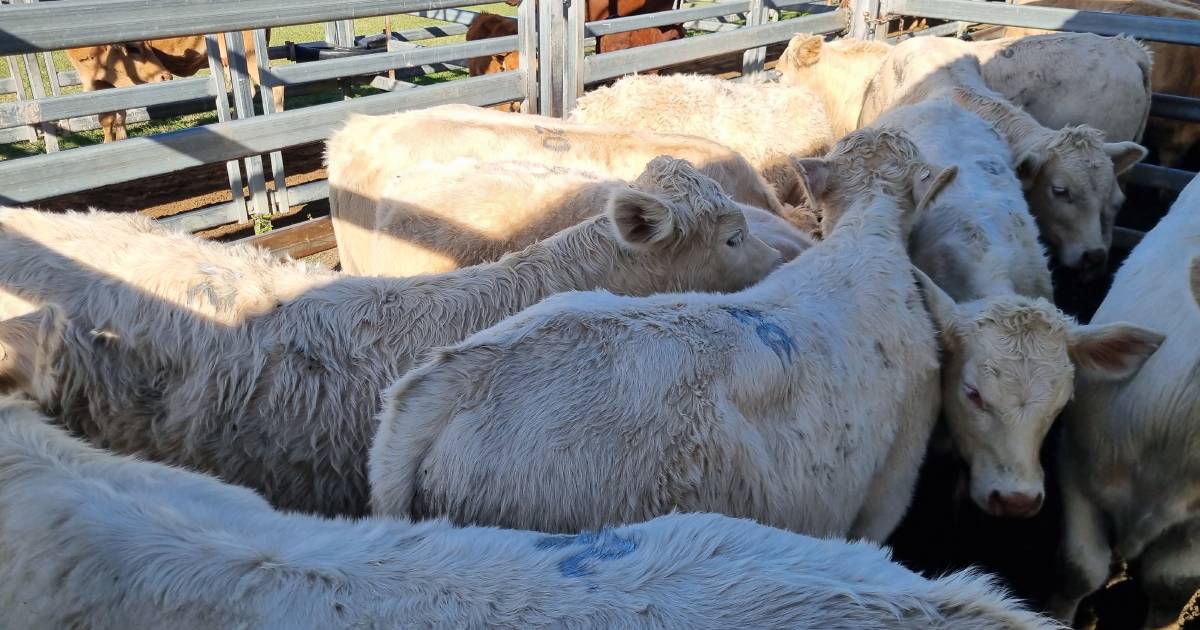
258	185
257	173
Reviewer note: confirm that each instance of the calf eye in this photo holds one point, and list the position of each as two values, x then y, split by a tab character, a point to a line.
1061	191
972	394
735	240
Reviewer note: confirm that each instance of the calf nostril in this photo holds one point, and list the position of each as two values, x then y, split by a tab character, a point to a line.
1095	258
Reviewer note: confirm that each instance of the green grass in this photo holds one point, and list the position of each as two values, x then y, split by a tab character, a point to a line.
298	33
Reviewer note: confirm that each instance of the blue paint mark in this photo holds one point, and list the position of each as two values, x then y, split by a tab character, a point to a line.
597	546
769	333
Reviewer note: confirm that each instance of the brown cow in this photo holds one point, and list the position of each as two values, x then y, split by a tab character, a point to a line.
488	25
1173	72
133	63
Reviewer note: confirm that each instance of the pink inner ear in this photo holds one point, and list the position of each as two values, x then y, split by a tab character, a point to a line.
1116	352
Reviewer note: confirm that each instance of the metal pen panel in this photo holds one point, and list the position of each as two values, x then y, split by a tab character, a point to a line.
42	176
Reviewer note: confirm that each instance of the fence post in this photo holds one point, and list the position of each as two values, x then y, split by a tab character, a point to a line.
527	50
573	54
232	168
753	59
266	93
863	14
28	133
243	101
551	50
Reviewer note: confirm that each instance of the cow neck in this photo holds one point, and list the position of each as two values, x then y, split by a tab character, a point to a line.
580	258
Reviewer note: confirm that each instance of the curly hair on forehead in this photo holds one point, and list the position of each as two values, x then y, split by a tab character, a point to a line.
873	158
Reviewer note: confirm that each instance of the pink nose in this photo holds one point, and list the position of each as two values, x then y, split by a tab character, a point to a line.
1014	504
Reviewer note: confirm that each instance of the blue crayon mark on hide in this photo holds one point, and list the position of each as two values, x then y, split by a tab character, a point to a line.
597	546
770	334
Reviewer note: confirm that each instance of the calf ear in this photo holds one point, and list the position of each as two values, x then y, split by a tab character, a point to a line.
29	347
927	186
641	219
1124	155
803	50
942	309
1111	352
1028	165
812	179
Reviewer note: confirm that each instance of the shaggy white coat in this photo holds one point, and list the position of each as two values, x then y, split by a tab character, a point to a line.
365	155
267	373
804	402
435	217
93	540
1130	470
768	123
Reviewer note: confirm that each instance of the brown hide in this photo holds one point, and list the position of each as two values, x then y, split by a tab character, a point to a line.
133	63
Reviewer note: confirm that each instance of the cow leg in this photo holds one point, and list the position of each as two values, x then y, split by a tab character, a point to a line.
1085	551
1170	575
112	125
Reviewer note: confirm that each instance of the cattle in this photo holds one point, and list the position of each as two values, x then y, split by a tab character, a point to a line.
1069	176
268	373
109	542
804	402
1127	458
488	25
441	216
838	72
359	169
1176	142
1009	357
770	124
1041	74
151	61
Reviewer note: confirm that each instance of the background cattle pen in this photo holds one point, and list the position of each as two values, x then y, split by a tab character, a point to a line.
272	182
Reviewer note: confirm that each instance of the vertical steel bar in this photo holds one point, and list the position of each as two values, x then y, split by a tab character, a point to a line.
266	93
550	56
527	49
243	101
862	15
572	54
753	59
28	133
233	169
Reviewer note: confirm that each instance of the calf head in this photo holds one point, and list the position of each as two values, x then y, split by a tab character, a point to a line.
486	26
118	65
871	161
688	234
1008	368
30	345
1069	177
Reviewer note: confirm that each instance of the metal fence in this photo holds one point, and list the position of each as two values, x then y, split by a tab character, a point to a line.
549	61
555	69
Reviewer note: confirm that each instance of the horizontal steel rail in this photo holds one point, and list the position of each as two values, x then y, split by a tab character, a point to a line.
384	61
1160	177
41	176
71	23
1158	29
663	18
18	113
1176	107
621	62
